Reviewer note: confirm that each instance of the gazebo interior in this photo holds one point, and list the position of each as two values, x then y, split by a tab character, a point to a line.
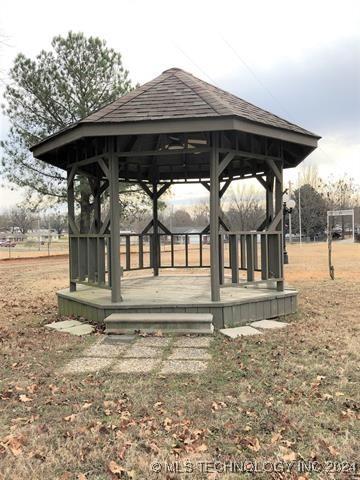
176	129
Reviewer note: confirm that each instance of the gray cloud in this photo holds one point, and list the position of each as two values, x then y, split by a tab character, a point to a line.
321	92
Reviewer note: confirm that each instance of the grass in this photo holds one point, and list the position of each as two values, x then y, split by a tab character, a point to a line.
288	396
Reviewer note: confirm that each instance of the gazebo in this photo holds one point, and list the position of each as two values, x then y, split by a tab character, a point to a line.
176	129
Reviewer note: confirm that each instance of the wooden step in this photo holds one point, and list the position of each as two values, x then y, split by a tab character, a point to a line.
178	323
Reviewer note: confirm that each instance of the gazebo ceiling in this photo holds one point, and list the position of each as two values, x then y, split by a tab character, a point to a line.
168	121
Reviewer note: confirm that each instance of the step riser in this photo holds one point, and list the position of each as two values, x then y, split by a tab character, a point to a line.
154	327
122	331
175	323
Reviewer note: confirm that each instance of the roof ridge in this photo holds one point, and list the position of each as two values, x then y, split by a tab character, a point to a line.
236	98
129	96
199	83
189	86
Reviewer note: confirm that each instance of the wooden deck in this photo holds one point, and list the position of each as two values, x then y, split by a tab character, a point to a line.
180	293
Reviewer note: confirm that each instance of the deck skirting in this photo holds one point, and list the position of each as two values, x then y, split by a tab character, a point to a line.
238	305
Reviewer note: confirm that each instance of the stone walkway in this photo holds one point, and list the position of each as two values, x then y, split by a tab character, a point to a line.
132	354
162	355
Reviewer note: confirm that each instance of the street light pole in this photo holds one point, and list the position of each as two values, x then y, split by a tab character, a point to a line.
288	205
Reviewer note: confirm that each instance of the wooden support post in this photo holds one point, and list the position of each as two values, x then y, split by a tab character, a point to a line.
269	199
73	251
141	251
250	257
214	219
264	257
101	261
221	260
155	243
114	225
279	211
234	258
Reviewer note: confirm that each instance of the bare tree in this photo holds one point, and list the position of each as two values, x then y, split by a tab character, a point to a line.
21	218
309	175
246	208
200	214
341	194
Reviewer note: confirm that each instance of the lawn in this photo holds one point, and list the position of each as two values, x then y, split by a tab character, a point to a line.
290	396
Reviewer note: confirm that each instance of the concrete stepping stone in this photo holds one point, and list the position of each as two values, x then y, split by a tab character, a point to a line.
153	341
170	367
106	351
240	332
135	365
195	342
86	365
117	339
189	354
74	327
63	325
268	324
143	352
79	330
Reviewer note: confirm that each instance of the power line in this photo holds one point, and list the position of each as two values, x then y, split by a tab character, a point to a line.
194	63
245	64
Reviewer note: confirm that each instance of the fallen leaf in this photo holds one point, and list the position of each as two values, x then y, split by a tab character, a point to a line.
115	468
287	454
24	398
32	388
254	444
154	448
275	438
15	444
333	450
167	422
70	418
201	448
53	388
65	476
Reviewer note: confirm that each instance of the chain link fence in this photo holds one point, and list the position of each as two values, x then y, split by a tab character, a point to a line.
24	246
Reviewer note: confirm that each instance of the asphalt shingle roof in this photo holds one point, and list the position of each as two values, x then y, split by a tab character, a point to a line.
178	94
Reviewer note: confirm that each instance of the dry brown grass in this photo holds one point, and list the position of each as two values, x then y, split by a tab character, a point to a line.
293	394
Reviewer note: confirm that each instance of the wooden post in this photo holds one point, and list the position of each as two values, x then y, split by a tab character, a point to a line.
279	210
114	225
155	243
73	251
214	219
269	198
234	258
329	234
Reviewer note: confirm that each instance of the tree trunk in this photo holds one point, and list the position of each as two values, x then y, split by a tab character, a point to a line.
85	206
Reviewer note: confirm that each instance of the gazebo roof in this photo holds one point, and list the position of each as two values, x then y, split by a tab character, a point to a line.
177	101
178	94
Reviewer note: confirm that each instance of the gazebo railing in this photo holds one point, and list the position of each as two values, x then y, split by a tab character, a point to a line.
259	254
253	252
90	259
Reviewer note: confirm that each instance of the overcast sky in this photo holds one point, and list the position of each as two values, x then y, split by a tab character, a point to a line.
300	60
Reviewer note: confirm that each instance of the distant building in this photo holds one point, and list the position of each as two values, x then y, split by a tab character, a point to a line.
193	234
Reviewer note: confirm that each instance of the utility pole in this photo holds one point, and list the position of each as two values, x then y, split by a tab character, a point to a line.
39	234
300	229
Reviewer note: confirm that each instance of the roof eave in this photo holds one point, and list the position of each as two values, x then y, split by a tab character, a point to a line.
181	125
